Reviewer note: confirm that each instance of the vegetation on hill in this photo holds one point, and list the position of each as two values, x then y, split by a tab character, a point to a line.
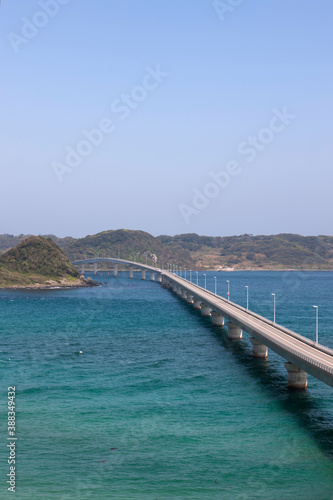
281	251
8	241
138	246
36	260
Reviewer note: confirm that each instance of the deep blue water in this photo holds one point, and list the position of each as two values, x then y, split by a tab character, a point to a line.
159	404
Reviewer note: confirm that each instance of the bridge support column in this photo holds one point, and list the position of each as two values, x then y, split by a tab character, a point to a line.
152	276
189	299
115	270
174	288
166	284
196	304
234	332
178	290
130	272
259	350
297	378
217	319
205	310
143	274
95	268
183	294
82	268
159	278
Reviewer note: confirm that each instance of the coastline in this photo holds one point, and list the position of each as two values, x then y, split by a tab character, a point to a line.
53	284
89	282
272	269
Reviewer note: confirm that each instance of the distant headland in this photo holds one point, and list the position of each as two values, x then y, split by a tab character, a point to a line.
244	252
38	262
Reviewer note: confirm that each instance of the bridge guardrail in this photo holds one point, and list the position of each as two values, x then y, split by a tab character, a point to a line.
298	336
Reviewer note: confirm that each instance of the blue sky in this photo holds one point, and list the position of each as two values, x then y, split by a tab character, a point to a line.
170	116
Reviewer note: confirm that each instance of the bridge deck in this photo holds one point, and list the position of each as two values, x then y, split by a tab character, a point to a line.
302	352
130	263
307	355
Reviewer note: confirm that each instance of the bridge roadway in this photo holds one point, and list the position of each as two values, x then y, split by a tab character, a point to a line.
131	264
303	355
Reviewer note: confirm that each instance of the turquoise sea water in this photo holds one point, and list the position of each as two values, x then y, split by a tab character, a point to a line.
159	404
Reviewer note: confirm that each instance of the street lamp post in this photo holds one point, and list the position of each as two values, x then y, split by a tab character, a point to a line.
205	280
197	276
317	322
247	297
190	276
215	283
228	289
274	306
185	272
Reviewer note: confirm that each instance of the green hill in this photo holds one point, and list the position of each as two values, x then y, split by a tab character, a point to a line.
37	261
281	251
138	246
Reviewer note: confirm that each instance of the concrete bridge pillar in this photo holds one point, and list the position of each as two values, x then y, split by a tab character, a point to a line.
205	310
297	378
234	332
82	268
166	283
217	319
159	278
143	274
95	268
196	304
178	290
115	270
189	299
259	350
152	276
130	272
183	294
174	287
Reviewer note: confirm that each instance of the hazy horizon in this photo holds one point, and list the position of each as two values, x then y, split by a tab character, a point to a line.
156	235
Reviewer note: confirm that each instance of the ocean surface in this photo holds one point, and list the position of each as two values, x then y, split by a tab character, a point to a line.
124	392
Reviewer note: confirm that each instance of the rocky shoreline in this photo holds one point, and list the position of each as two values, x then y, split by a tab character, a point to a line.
54	284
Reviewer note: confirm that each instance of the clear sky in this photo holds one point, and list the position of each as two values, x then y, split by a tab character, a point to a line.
169	116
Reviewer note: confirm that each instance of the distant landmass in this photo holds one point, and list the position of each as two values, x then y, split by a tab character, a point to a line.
38	262
281	251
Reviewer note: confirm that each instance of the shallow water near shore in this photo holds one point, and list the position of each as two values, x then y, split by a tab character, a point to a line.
125	392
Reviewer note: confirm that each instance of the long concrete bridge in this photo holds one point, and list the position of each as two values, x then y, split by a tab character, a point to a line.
302	355
154	272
